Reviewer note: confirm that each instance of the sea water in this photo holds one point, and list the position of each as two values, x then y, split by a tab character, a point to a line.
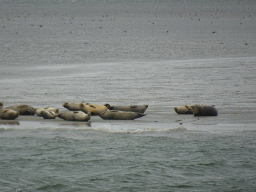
161	53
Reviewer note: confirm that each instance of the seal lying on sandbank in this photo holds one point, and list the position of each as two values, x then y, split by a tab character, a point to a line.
94	109
39	110
185	109
23	109
203	110
133	108
48	114
9	114
75	116
120	115
72	106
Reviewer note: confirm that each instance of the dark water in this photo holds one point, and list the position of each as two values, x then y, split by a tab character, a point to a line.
82	160
160	53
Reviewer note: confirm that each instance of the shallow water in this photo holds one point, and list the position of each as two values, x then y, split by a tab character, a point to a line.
164	54
78	160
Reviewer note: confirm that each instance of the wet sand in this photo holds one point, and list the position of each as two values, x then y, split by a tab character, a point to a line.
175	54
163	85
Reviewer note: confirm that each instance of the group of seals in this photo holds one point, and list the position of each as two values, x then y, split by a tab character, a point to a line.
12	112
108	112
77	112
197	110
84	111
23	109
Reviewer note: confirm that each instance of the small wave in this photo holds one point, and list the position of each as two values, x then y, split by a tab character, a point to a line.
133	129
54	186
108	127
30	125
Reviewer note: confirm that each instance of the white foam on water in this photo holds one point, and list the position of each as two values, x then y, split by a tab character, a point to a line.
126	127
133	128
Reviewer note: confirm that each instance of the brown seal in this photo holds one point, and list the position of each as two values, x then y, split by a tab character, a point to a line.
72	106
133	108
94	109
184	109
203	110
75	116
9	114
23	109
120	115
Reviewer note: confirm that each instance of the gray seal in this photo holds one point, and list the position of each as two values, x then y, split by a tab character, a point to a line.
120	115
203	110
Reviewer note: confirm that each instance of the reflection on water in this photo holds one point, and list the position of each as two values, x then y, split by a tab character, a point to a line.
9	122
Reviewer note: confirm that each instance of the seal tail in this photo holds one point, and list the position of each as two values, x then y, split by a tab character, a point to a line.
139	115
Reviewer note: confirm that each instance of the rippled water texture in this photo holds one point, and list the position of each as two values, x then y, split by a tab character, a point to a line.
161	53
66	160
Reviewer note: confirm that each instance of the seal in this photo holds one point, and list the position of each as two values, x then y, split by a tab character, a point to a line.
72	106
39	110
9	114
133	108
23	109
203	110
94	109
120	115
1	107
75	116
48	114
184	109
